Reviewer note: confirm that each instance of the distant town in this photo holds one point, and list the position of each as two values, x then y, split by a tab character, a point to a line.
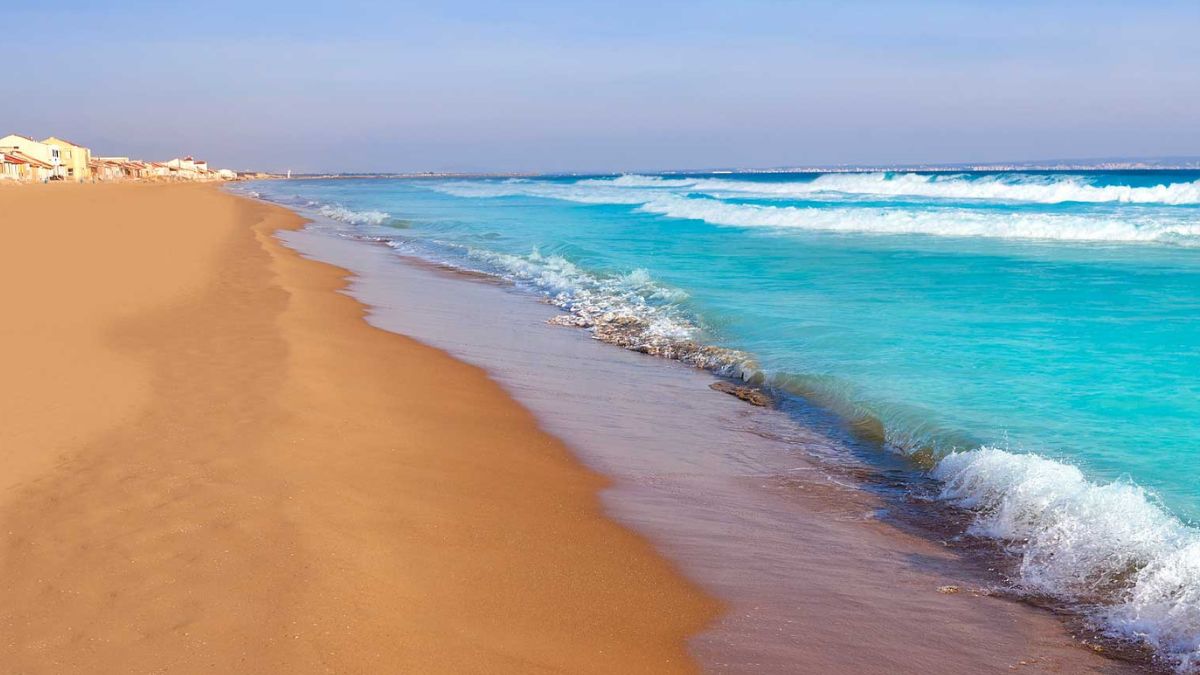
23	159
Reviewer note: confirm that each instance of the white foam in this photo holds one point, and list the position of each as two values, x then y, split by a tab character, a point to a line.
1009	187
636	180
633	295
581	192
1014	187
1111	547
671	198
937	222
345	215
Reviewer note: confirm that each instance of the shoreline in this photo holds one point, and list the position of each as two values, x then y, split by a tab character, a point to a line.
219	465
382	285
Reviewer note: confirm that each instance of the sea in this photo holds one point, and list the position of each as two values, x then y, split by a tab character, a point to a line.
1028	342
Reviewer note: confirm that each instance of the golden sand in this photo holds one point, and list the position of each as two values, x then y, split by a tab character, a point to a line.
213	464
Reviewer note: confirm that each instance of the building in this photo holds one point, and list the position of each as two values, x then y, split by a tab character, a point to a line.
12	166
15	165
38	170
25	159
41	152
183	168
119	168
106	169
73	158
136	168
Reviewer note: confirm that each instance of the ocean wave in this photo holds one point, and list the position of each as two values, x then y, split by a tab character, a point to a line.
936	222
1109	551
640	181
345	215
1111	548
629	310
1043	189
580	192
666	199
1013	187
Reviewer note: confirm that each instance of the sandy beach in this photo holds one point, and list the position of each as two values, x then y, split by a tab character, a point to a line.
752	338
819	568
214	465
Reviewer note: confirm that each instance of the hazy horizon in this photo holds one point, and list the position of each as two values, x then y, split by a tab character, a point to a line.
531	86
1185	163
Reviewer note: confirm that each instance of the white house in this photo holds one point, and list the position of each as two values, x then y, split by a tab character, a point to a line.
42	152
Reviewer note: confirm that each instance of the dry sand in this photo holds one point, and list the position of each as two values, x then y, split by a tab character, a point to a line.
212	464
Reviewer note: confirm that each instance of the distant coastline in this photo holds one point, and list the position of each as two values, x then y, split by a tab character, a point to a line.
1102	164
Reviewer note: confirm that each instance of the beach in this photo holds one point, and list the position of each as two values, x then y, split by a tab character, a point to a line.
821	559
1004	361
237	444
751	339
213	464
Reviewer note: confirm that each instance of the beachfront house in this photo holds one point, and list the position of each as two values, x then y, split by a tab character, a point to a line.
15	165
12	166
138	168
25	159
35	169
43	154
106	169
119	168
182	167
73	158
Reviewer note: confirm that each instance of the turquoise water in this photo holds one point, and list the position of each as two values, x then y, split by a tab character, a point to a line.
1044	326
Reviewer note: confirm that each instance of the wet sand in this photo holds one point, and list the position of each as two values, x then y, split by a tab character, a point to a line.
213	464
760	506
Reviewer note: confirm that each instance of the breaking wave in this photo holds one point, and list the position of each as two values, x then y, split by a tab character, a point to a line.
628	310
582	192
677	198
1133	566
345	215
1015	187
936	222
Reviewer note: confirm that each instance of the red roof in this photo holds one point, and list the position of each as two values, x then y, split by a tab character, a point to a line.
29	160
9	158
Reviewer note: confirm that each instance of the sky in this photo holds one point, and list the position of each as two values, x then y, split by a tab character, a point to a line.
372	86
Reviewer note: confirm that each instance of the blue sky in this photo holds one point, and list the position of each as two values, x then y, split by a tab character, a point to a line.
398	86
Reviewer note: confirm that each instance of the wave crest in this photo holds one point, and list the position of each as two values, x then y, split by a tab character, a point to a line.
1134	567
678	198
942	222
629	310
1012	187
345	215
